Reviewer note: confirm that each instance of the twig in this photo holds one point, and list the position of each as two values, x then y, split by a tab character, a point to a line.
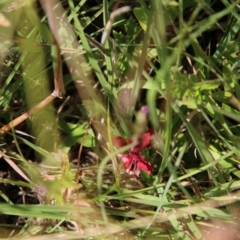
56	52
28	114
57	120
109	24
78	167
57	69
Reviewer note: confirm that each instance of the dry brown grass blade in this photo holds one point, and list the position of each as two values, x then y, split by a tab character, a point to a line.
26	115
15	167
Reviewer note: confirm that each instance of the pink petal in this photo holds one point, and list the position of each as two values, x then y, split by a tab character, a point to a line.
144	165
134	163
127	160
119	142
145	141
145	110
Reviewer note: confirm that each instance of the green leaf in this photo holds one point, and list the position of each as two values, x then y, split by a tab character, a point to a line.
141	17
76	133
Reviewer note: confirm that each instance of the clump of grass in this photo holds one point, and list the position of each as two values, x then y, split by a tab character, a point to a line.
180	59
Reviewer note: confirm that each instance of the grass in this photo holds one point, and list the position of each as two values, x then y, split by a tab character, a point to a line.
61	170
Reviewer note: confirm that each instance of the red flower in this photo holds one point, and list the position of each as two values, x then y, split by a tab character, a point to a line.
133	161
